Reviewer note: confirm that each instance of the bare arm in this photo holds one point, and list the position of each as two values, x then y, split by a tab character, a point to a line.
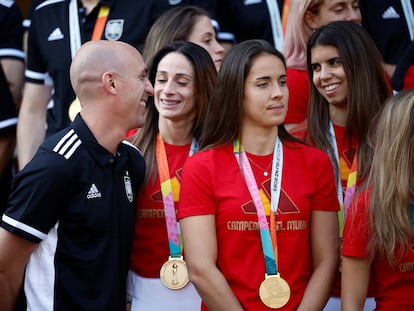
354	282
32	121
14	254
324	239
14	72
200	250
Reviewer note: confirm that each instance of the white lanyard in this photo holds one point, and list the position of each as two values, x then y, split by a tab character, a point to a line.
74	30
332	141
276	180
409	16
275	23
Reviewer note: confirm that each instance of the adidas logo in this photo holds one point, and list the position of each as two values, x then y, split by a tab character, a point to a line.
93	193
55	35
390	13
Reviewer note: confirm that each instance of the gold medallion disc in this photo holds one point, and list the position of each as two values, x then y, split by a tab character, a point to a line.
174	273
274	291
74	109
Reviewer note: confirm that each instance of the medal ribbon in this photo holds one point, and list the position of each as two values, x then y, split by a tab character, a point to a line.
276	24
174	235
351	186
285	12
100	22
268	238
338	180
74	29
409	16
411	211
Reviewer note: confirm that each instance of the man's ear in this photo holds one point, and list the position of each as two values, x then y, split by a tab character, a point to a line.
309	19
109	82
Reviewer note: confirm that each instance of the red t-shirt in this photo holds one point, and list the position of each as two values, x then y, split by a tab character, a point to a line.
212	184
150	248
346	155
298	85
394	285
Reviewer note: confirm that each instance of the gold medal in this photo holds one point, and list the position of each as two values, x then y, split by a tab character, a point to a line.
274	291
74	109
174	273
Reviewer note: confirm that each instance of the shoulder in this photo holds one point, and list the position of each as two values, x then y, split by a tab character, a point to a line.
6	5
48	4
213	153
311	153
54	164
296	74
310	157
131	147
300	130
11	24
134	153
62	149
136	160
210	160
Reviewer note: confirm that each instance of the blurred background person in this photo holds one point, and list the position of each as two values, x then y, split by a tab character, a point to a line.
11	85
391	25
258	19
349	87
379	235
185	23
305	16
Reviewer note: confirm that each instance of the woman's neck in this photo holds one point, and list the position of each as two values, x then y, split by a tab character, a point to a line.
175	133
259	141
338	115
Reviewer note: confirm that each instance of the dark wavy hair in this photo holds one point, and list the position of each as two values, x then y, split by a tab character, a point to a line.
368	88
224	114
173	25
204	80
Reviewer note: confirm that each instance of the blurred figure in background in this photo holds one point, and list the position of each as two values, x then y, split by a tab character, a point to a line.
379	234
305	16
11	85
185	23
391	25
346	93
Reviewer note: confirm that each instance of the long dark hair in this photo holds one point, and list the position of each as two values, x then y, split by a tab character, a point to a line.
223	118
204	80
368	88
173	25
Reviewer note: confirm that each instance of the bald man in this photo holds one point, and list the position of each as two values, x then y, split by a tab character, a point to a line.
65	238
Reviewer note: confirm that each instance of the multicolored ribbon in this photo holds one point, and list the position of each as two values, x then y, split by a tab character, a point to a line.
268	238
285	13
100	22
74	29
351	185
338	180
173	231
